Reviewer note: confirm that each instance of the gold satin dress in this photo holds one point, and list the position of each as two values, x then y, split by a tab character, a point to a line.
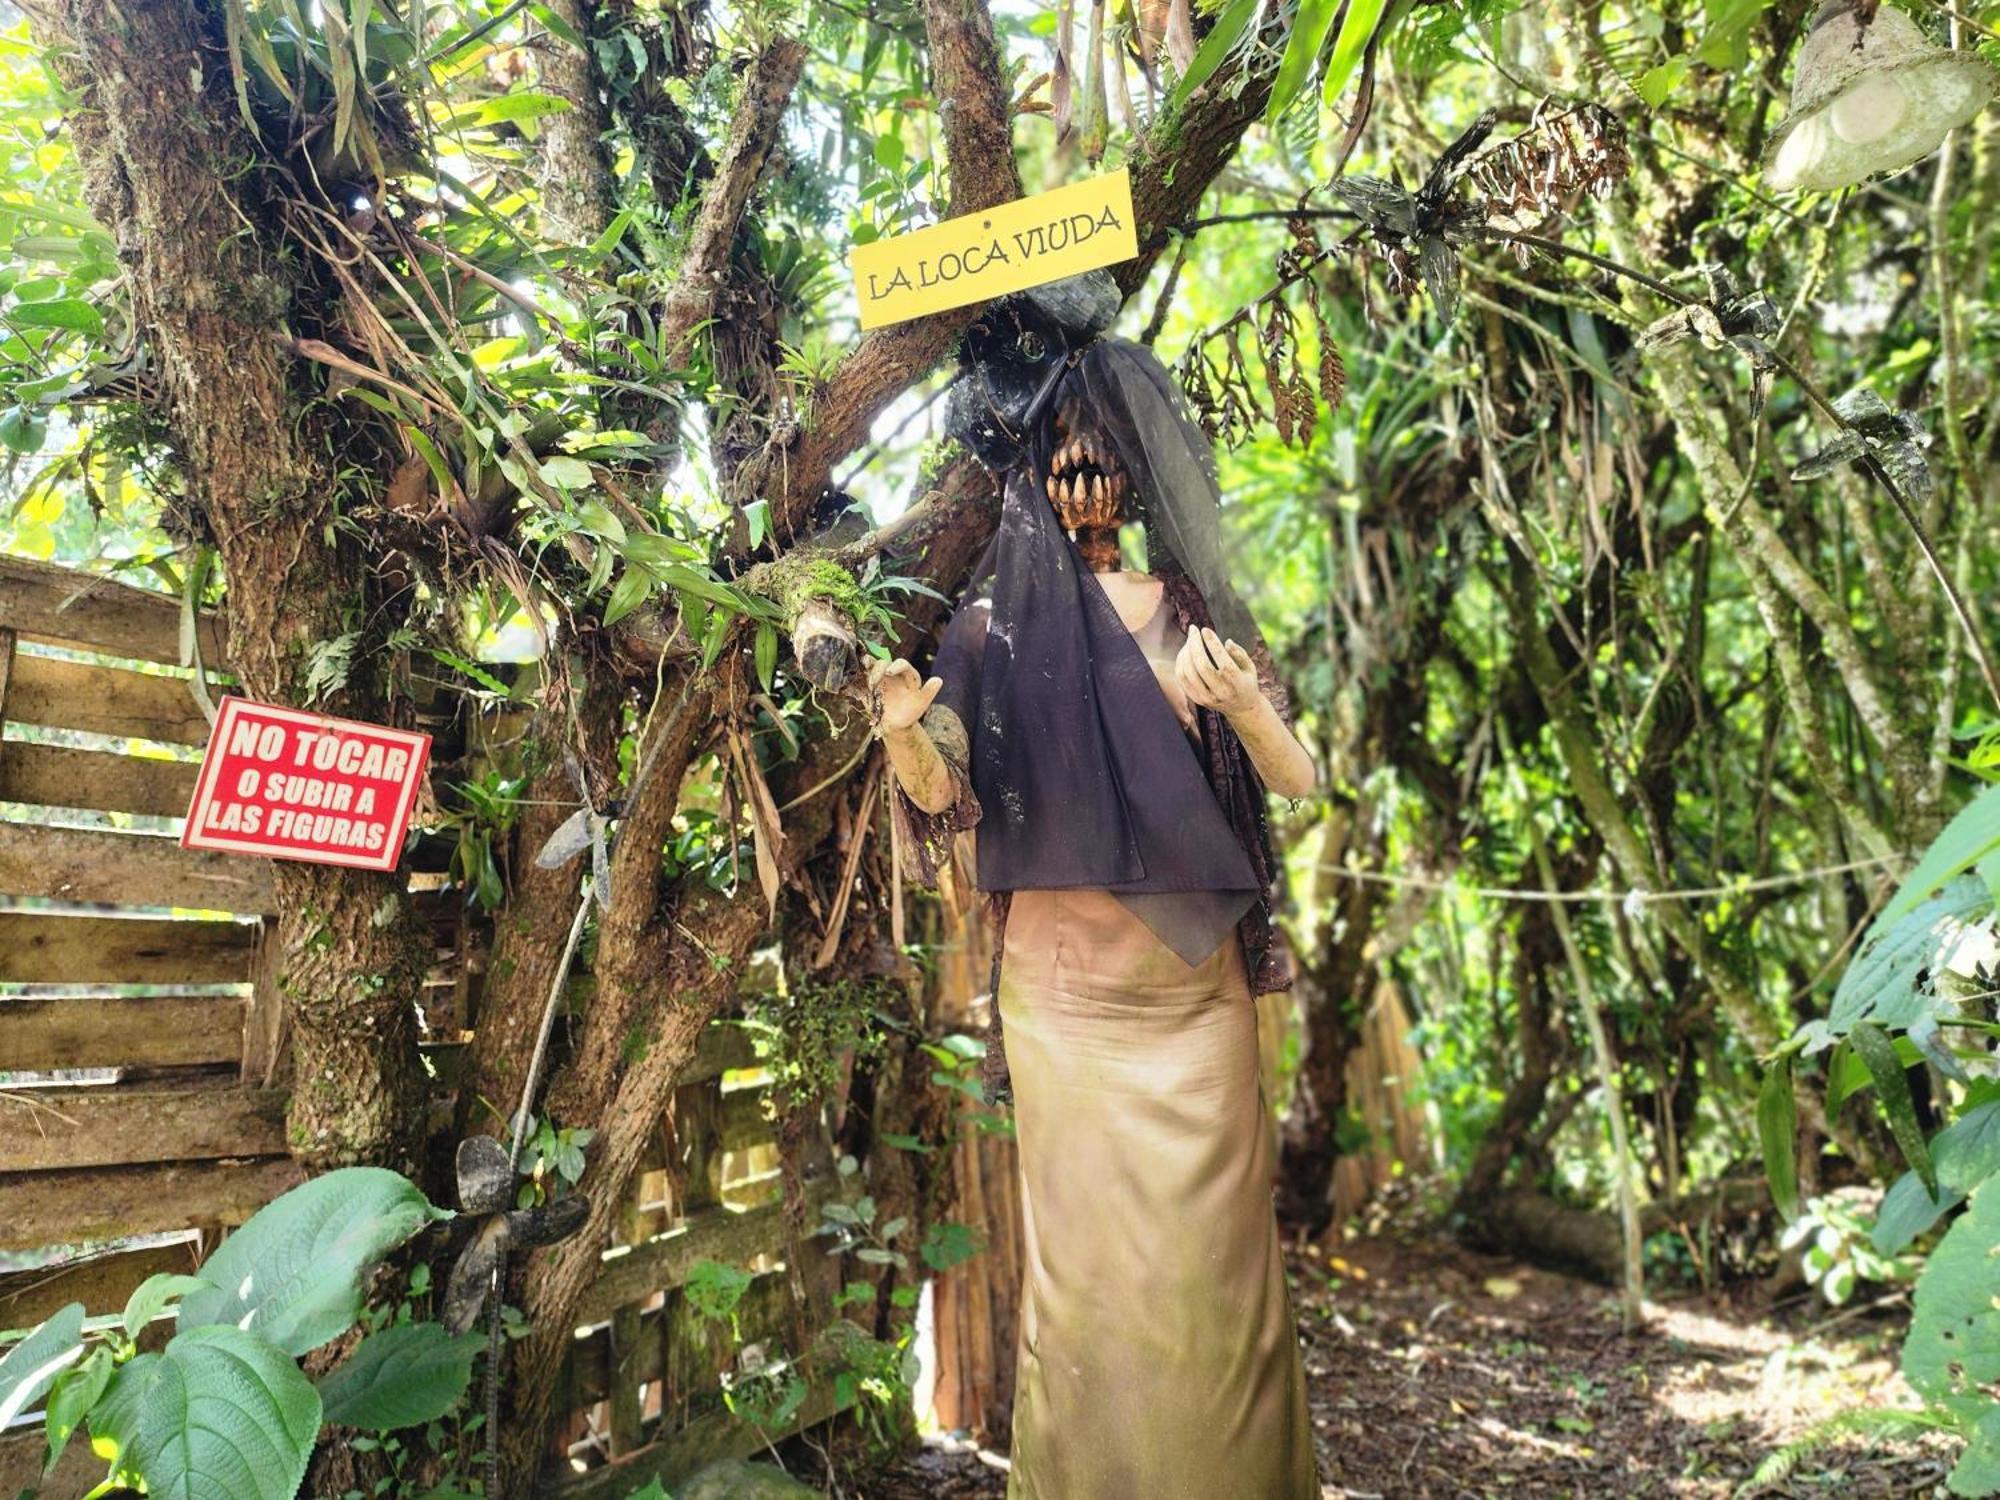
1157	1357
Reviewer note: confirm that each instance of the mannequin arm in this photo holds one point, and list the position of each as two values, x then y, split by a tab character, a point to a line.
1219	674
1280	759
920	770
901	698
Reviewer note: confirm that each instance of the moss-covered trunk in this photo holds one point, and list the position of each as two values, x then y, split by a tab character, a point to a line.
177	180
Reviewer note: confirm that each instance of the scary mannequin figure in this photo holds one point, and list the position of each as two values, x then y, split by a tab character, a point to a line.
1111	733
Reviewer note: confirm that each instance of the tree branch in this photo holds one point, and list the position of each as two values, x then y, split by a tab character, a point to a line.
760	111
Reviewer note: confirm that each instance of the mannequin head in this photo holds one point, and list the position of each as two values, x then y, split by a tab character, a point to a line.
1086	484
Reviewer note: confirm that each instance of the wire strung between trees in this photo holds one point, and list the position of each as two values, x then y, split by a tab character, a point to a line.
1637	896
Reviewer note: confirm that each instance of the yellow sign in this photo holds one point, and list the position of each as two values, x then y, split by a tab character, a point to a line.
1006	249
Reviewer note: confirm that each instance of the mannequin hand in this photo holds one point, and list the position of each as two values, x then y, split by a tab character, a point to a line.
900	695
1217	674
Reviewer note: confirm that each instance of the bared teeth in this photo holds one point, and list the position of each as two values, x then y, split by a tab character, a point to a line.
1052	486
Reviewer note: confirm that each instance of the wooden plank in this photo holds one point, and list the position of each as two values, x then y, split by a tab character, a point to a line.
742	1123
45	1129
108	1031
721	1048
264	1052
51	776
765	1310
40	949
706	1440
99	699
100	1282
94	613
102	1203
718	1234
130	869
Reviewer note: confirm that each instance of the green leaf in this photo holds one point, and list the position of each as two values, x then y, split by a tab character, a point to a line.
1967	1151
22	430
1846	1075
72	1398
32	1365
1978	1469
510	109
403	1376
1362	18
1309	28
757	516
633	585
1216	46
716	637
560	27
1966	839
62	312
1953	1346
1892	1087
1656	85
1907	1210
702	586
658	551
1778	1129
606	242
440	470
1890	981
766	654
152	1295
219	1414
569	473
294	1272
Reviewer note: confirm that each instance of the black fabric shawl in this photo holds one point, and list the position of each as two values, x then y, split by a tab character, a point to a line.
1083	775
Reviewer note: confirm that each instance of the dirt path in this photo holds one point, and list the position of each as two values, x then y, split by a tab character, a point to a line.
1436	1372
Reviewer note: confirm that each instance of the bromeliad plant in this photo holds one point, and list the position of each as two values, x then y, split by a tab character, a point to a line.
1924	990
222	1411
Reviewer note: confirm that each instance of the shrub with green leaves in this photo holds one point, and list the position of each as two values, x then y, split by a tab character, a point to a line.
1921	991
222	1411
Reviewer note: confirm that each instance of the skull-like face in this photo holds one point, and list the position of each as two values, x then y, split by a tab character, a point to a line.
1086	484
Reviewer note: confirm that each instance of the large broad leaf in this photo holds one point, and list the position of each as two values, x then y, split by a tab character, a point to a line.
1967	1151
219	1414
294	1272
1952	1353
1892	979
32	1365
1974	833
1908	1209
1978	1468
407	1374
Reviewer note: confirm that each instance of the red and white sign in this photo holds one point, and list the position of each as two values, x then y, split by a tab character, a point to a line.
291	785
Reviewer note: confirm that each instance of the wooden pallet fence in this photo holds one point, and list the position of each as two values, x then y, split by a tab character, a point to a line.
139	1036
128	966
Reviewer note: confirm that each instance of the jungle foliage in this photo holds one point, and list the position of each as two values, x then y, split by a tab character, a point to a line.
1627	535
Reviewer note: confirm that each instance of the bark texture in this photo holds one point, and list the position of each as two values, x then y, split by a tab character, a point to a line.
215	299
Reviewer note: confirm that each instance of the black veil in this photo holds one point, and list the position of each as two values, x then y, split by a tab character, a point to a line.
1082	774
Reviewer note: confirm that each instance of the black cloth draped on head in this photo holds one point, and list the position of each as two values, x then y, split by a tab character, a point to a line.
1083	775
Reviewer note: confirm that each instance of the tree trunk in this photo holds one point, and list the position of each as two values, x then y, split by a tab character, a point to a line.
253	438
